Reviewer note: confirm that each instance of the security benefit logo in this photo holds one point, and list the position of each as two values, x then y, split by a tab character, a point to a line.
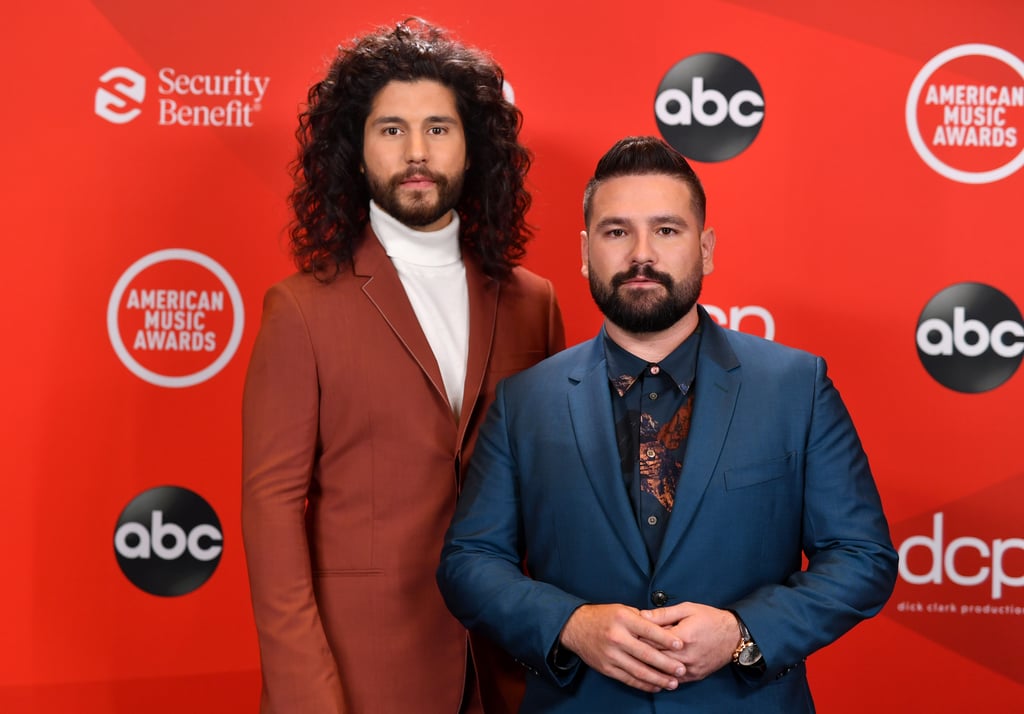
191	99
175	318
709	107
168	541
965	113
970	337
120	94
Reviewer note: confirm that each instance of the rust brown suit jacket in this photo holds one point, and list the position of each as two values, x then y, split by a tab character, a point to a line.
351	466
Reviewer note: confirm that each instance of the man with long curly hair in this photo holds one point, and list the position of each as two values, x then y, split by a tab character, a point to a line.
371	373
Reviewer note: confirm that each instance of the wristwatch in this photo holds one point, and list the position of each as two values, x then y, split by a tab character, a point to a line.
747	655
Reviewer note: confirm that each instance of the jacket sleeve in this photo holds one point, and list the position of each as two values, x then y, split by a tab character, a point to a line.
556	327
280	417
480	576
851	563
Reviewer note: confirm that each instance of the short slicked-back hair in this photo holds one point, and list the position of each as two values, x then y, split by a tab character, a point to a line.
640	156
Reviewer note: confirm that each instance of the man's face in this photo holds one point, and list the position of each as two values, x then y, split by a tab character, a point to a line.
644	253
414	153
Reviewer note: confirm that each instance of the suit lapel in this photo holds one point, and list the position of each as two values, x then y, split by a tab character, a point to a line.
384	289
717	383
483	314
593	423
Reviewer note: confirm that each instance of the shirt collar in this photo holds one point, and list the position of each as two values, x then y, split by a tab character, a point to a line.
625	368
425	248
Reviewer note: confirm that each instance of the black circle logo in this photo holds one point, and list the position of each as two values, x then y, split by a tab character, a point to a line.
709	107
970	337
168	541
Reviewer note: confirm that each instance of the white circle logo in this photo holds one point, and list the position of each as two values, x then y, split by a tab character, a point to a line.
973	116
171	307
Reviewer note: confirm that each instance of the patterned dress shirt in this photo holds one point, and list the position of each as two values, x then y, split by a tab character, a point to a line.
652	404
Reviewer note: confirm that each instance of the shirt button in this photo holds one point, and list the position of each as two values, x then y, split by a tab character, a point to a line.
653	395
650	453
655	369
652	520
659	598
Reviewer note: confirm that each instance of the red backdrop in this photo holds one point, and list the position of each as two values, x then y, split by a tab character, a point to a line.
835	224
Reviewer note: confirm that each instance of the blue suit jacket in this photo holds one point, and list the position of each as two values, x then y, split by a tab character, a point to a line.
773	471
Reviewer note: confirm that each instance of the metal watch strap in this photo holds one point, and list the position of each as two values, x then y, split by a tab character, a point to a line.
744	638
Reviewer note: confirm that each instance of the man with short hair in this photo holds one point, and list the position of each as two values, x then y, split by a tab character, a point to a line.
663	482
372	370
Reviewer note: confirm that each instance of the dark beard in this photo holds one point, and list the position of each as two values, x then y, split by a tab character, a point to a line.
644	313
418	211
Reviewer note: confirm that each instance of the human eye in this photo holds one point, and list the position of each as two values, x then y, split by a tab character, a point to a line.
615	232
667	231
391	131
437	130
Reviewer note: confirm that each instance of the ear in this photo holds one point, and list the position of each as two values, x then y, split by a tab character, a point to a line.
707	250
584	255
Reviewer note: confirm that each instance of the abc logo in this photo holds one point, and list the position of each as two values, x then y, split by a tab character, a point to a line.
709	107
970	337
168	541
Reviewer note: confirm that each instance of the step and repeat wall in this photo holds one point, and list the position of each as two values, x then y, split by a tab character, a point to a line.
862	162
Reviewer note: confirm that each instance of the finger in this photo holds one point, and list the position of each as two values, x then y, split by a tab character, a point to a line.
636	674
642	657
667	615
659	637
663	663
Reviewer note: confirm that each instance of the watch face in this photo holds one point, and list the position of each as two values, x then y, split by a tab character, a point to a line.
749	655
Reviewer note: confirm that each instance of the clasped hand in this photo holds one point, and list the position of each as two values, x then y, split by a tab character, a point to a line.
652	650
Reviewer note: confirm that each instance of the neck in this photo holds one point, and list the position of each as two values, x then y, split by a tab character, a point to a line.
426	248
654	346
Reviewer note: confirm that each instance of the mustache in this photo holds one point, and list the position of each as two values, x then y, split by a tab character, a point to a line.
419	173
395	182
641	271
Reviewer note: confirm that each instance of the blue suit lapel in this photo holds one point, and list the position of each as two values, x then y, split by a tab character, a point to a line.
717	386
593	424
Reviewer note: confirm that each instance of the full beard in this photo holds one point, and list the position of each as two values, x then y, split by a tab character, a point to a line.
415	209
641	311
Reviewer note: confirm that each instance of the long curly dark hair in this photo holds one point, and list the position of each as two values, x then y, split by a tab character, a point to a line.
331	197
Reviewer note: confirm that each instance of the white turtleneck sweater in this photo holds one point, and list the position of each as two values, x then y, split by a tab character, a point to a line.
429	264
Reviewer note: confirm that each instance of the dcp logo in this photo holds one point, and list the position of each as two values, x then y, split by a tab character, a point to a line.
710	107
942	559
119	103
970	337
168	541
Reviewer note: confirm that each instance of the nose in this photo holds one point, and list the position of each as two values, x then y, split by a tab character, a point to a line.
416	148
643	250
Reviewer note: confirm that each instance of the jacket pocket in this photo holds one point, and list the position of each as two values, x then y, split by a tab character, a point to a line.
760	472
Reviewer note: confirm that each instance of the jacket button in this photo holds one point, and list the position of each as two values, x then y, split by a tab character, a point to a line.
659	598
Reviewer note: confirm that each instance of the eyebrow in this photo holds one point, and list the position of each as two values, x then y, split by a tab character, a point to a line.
395	119
610	221
671	218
